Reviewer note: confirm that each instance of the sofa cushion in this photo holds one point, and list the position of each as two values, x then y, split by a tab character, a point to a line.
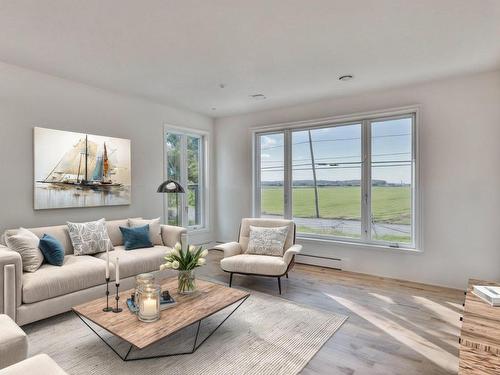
134	262
114	233
76	273
136	237
26	244
90	238
57	231
254	264
52	250
154	229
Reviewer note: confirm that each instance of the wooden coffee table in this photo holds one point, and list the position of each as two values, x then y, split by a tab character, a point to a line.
190	310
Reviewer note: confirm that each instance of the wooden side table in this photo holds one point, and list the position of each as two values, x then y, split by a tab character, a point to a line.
480	335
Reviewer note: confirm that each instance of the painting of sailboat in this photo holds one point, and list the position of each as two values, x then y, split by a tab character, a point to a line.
80	170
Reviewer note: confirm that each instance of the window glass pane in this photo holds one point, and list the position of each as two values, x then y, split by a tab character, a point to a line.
391	190
326	185
194	179
272	174
173	173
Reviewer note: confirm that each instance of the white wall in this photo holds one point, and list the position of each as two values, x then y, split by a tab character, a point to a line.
460	165
29	99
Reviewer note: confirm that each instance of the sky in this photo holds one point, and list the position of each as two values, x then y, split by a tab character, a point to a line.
337	153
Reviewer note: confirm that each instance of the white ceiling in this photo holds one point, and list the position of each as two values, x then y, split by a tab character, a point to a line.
293	51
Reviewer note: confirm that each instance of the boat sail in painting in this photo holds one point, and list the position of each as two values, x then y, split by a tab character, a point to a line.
80	170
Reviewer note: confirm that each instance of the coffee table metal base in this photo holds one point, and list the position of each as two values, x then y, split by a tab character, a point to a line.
133	350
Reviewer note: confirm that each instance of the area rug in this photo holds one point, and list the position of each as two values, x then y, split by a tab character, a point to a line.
266	335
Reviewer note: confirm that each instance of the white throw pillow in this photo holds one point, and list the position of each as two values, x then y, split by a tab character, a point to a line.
26	244
154	228
89	238
267	241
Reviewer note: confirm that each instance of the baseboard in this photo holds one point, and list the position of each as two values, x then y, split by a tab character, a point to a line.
316	260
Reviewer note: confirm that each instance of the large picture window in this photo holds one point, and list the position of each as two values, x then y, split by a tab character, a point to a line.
348	181
184	153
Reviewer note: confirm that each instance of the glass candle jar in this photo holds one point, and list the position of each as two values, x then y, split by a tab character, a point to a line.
142	279
149	302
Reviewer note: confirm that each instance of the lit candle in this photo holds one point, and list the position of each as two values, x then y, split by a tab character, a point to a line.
107	264
117	276
149	306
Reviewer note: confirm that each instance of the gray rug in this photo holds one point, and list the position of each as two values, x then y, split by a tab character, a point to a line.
266	335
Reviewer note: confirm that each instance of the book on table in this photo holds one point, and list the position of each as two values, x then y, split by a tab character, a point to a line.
490	294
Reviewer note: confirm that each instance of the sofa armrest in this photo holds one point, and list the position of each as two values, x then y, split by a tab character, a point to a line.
170	234
11	278
230	249
291	252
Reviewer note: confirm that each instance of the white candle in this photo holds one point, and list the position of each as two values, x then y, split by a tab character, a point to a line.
107	264
117	266
149	306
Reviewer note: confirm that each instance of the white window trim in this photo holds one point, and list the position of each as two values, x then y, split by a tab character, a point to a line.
204	204
287	127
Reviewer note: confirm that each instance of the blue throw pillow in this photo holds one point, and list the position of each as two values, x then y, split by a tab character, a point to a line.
52	250
136	237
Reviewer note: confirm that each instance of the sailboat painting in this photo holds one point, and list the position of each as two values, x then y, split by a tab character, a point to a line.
80	170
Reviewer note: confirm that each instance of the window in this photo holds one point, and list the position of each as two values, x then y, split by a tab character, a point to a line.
184	153
351	181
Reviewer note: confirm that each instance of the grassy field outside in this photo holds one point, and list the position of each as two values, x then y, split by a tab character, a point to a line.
390	204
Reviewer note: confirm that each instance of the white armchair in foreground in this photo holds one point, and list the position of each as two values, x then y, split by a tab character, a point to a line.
236	260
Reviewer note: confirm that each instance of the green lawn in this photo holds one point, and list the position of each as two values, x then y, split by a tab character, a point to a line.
391	205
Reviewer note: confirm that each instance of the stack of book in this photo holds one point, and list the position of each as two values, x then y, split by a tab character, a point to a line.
490	294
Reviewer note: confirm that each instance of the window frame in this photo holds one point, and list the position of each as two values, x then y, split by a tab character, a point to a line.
365	119
184	133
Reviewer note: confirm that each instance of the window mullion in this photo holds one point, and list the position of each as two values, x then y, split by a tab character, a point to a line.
366	183
288	175
184	180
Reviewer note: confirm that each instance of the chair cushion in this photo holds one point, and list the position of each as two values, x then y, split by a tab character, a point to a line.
76	273
136	237
134	262
52	250
254	264
268	223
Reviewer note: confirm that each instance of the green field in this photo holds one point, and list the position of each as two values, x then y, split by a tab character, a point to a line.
390	205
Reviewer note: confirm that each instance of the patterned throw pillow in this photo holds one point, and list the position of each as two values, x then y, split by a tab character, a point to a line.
267	241
89	238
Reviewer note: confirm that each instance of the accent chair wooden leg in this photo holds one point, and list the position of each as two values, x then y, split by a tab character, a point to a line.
287	275
230	279
279	284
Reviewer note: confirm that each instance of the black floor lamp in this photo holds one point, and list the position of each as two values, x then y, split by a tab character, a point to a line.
171	187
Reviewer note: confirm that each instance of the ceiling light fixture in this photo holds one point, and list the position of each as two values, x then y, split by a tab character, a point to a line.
258	96
346	77
222	85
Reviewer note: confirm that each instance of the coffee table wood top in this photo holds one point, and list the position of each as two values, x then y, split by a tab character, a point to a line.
207	300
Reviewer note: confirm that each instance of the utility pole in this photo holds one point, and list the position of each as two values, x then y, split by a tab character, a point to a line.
316	201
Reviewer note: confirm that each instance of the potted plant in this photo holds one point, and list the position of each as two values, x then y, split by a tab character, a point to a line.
185	262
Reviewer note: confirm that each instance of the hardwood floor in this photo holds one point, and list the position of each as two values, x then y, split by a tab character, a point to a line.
394	327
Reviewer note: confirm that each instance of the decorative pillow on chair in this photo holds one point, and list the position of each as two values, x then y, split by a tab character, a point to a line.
89	238
154	228
26	243
267	241
52	250
136	237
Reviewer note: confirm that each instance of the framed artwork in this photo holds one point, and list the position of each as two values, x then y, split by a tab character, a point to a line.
80	170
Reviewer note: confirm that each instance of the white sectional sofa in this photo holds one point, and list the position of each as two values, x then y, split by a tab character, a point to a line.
28	297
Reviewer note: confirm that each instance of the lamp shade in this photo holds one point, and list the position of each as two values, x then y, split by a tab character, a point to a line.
170	186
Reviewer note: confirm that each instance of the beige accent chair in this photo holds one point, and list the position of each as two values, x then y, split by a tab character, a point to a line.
13	342
40	364
237	261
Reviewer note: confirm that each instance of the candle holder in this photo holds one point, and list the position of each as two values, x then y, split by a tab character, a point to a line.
107	308
117	298
149	303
